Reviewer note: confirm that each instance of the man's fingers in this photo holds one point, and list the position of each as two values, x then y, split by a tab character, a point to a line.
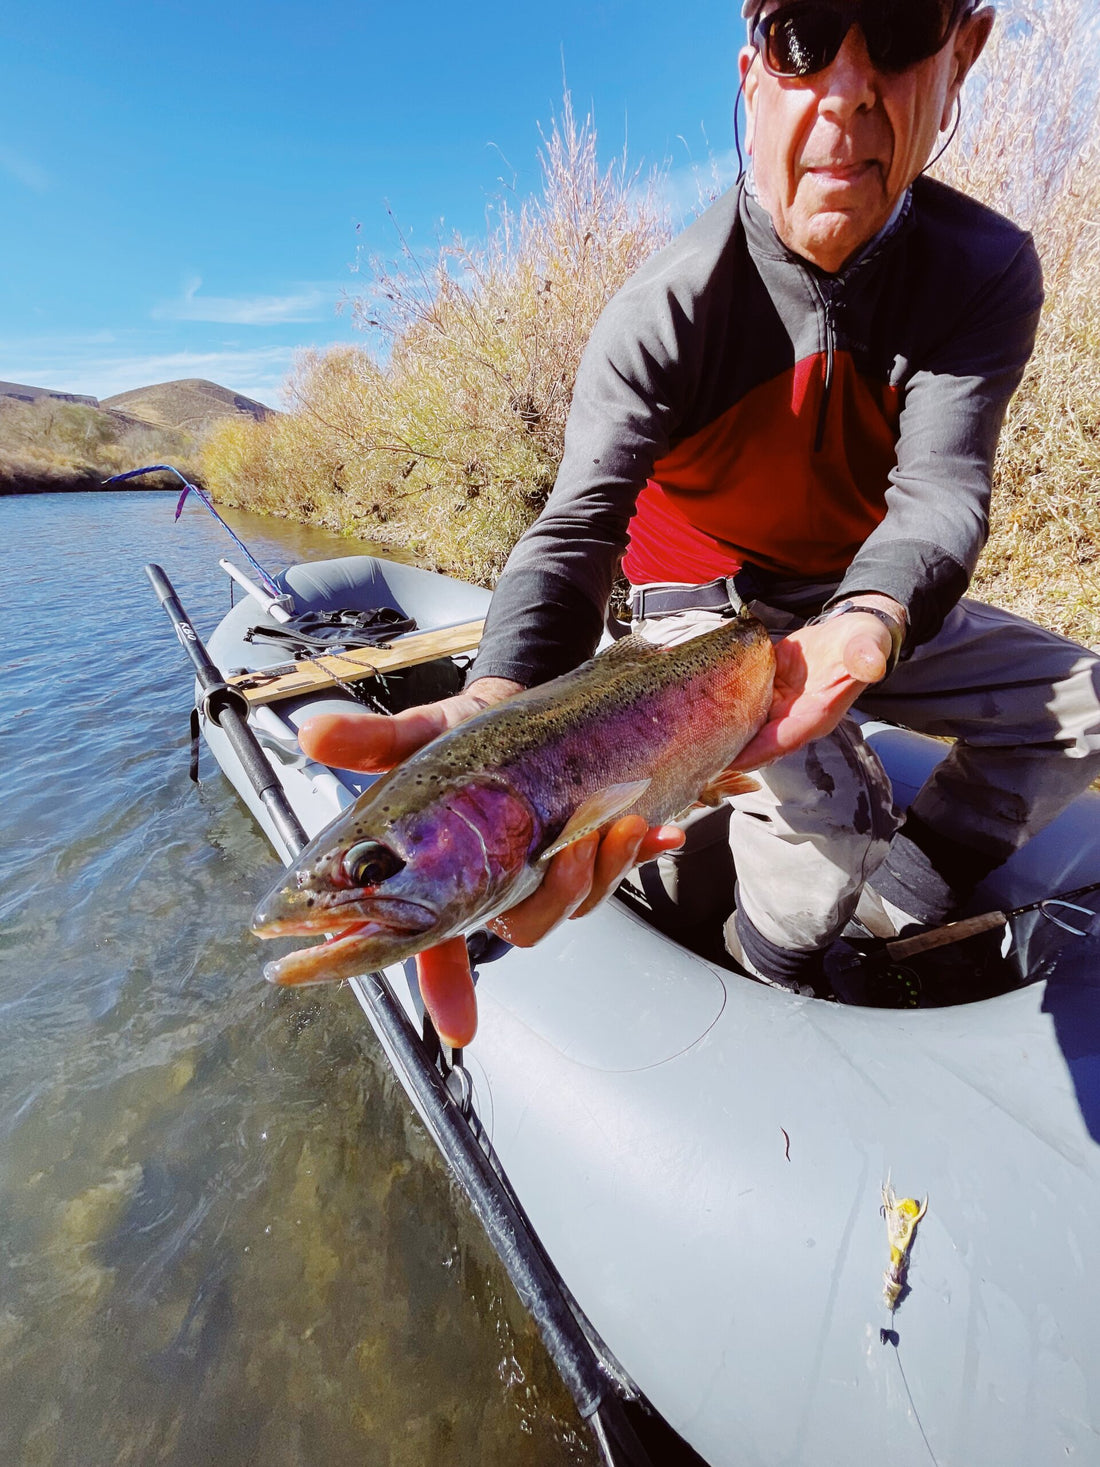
657	839
447	988
820	671
864	658
582	875
615	856
764	749
372	742
358	740
567	882
626	844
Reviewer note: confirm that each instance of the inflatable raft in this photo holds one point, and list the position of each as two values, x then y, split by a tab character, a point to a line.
699	1162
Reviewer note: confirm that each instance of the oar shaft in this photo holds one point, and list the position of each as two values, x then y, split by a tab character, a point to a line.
228	708
507	1226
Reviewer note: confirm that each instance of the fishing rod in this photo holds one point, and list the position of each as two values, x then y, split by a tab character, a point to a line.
280	597
610	1415
275	606
908	947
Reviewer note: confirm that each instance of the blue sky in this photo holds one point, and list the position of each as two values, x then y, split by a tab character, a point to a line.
184	187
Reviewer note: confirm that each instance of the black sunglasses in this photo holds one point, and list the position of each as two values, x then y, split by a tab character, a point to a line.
804	37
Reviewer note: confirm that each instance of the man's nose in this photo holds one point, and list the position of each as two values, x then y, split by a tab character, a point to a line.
849	83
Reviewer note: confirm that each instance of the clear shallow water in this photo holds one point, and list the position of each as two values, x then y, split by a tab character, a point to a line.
223	1235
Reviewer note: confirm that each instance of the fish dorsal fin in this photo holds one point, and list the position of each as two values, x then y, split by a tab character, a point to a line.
597	810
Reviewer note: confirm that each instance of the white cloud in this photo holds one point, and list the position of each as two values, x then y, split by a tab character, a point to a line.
24	170
307	303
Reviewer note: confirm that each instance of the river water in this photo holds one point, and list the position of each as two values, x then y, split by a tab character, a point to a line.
224	1237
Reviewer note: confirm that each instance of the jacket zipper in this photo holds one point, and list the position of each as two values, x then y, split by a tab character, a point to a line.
830	348
889	232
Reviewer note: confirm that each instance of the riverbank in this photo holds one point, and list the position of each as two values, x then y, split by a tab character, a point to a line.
58	442
13	482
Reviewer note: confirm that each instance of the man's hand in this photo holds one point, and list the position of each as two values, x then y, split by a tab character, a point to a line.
374	742
820	671
577	879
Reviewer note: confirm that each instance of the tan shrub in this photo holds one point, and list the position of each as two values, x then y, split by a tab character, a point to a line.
49	442
1030	146
445	439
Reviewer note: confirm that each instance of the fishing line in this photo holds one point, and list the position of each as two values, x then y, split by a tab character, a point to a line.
913	1404
188	488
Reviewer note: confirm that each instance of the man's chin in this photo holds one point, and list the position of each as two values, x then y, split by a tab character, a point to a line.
837	230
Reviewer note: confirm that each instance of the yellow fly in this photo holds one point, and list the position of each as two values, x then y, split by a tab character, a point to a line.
901	1225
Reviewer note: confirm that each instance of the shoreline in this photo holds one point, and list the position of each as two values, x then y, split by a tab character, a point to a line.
24	484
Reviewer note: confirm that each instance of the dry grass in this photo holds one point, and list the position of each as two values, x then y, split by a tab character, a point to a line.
446	438
1030	146
48	444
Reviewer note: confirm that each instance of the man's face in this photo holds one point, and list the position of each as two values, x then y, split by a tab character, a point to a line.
833	152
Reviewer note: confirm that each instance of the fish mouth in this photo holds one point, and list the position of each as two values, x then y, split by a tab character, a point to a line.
281	916
354	943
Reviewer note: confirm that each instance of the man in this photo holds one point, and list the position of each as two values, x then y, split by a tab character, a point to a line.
799	401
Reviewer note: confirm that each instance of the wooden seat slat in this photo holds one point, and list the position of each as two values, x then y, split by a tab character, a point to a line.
328	669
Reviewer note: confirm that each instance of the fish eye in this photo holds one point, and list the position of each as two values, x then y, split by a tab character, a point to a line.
370	863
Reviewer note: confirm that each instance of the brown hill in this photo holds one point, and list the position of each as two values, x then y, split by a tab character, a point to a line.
22	393
191	405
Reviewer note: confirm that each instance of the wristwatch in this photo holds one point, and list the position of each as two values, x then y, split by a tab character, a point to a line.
892	624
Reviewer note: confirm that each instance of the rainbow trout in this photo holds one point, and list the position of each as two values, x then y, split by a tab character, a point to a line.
463	829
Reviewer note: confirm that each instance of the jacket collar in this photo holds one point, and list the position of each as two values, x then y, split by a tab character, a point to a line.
763	241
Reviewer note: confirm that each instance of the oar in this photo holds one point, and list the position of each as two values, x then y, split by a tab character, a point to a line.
908	947
536	1281
228	708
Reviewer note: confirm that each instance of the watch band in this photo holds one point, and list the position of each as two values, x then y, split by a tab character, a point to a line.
891	623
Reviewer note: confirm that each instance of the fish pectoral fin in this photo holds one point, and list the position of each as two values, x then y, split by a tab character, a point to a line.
726	783
597	810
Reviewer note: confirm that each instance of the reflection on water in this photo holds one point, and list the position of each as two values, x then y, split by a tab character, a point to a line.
223	1235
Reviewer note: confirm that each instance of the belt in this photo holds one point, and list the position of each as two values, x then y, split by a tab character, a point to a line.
719	595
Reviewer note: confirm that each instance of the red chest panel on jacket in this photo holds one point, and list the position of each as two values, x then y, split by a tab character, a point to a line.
752	486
